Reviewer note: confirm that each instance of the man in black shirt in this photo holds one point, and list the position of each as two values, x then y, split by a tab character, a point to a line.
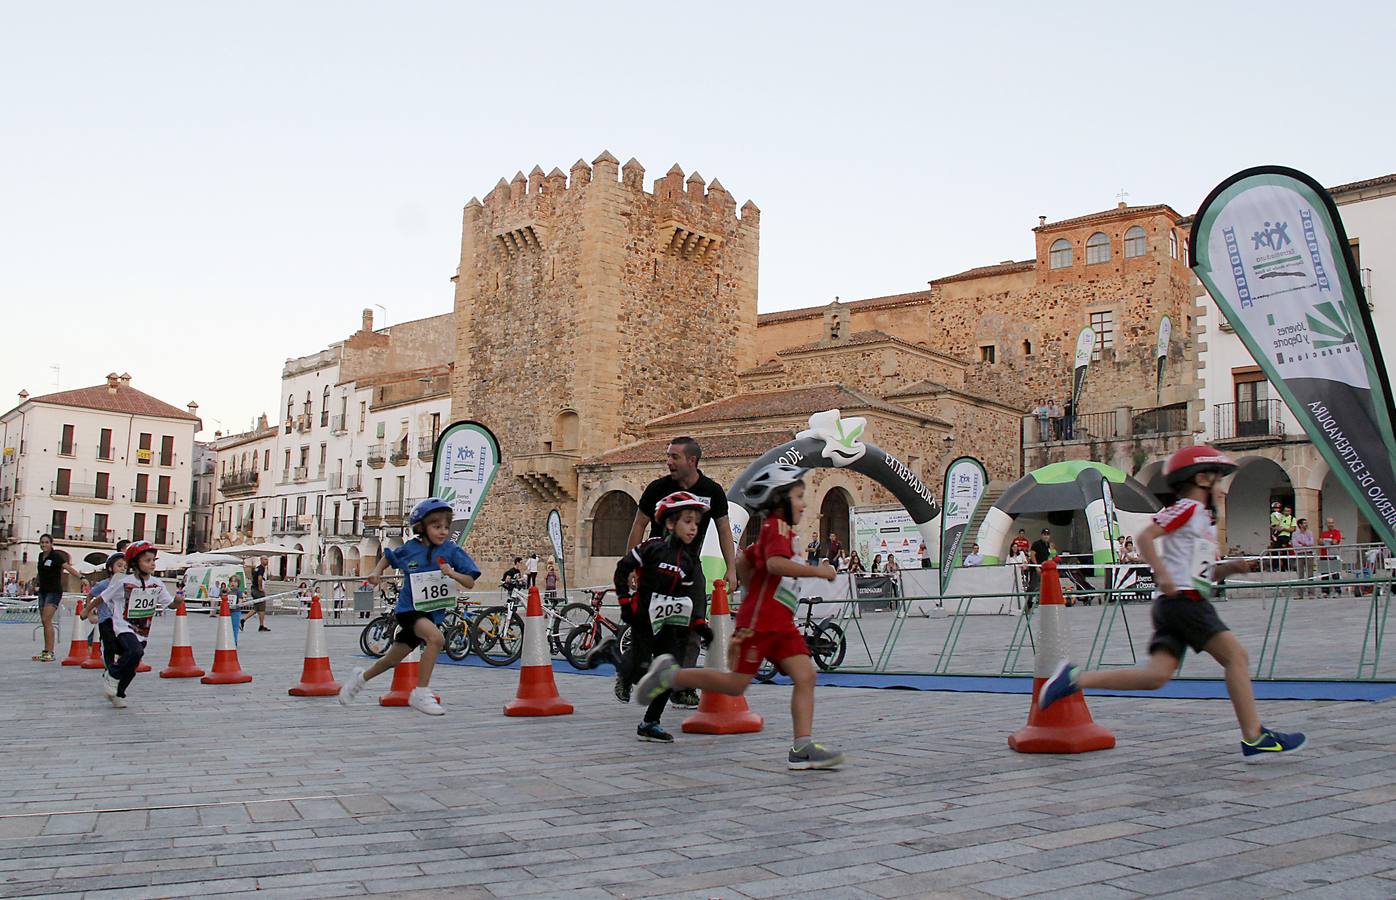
682	456
1039	553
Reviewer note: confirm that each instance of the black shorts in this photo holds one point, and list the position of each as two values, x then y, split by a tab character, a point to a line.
407	627
1181	622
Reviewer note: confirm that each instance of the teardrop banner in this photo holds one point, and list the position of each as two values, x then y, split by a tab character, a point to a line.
1165	337
1085	344
965	483
1270	248
835	443
467	458
555	535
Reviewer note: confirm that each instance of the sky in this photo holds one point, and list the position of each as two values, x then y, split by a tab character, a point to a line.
194	192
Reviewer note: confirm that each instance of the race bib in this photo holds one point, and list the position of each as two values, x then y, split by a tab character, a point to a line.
1204	563
432	591
670	611
142	603
787	592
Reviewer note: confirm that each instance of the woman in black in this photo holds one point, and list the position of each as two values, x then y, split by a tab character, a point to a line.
52	564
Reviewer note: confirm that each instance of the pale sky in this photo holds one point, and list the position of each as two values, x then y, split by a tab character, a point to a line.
193	192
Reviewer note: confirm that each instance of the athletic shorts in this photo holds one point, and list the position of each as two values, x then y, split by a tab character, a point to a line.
259	606
406	627
775	645
1181	622
53	598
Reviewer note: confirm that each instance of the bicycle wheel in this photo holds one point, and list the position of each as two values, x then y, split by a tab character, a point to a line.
623	640
581	640
766	672
827	644
457	642
568	618
498	636
377	635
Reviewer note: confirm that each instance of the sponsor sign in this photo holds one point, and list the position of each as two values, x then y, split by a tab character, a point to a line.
467	458
965	481
1165	336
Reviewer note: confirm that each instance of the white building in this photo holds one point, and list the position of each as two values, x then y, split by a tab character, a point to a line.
202	485
1245	415
93	466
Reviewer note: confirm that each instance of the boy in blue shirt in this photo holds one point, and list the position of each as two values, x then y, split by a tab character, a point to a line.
431	561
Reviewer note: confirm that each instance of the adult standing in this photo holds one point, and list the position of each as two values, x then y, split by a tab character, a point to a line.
531	566
812	551
1330	537
1038	553
832	548
1069	419
52	564
259	593
1303	541
682	457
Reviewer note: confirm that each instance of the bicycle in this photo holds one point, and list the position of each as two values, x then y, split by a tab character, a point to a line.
583	638
826	641
377	636
497	637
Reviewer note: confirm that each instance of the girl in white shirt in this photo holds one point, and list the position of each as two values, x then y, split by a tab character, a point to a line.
134	599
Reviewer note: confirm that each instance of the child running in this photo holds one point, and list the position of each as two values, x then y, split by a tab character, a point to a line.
765	626
432	561
99	614
131	600
1180	545
660	611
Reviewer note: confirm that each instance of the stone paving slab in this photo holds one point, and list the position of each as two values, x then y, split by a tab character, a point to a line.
241	790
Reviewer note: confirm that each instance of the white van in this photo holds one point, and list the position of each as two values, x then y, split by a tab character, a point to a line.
201	582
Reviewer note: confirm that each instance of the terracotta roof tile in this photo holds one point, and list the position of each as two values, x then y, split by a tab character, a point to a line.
912	298
228	441
770	367
715	446
928	387
1119	212
1007	268
800	401
377	378
1351	186
125	399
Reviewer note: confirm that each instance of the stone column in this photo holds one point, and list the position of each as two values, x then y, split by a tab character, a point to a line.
1306	507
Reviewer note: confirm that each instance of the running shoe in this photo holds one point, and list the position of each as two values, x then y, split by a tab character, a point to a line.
118	701
657	680
421	700
654	733
622	689
685	699
264	628
1271	744
1061	683
601	653
43	656
351	688
809	755
108	684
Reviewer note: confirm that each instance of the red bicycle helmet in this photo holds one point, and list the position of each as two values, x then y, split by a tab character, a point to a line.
135	549
677	501
1189	461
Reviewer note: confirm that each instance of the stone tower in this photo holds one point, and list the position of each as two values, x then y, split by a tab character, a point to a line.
586	306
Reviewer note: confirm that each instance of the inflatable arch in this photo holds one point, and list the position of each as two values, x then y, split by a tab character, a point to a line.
830	442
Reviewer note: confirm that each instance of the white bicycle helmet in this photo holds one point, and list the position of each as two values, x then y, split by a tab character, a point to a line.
766	483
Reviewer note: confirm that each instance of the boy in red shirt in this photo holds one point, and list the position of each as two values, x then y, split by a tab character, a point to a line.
1180	545
766	621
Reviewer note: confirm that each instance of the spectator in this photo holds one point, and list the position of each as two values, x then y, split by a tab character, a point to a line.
891	567
1019	558
1329	563
924	556
513	577
1069	419
550	581
877	564
832	548
812	550
52	564
1044	422
1129	554
531	567
855	564
1303	543
974	557
11	586
1055	412
1020	544
337	601
841	563
1038	553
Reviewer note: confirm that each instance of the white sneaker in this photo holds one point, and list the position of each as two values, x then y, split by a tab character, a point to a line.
421	700
350	689
118	702
108	684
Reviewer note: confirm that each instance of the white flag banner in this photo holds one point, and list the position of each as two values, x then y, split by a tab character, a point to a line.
467	458
965	483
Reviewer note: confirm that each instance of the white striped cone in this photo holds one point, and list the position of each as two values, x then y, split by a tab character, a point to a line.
226	668
182	663
77	650
721	713
405	678
537	694
316	678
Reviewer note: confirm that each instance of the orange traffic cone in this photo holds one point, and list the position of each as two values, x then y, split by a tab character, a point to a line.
537	694
94	658
316	678
181	651
721	713
1066	726
226	668
77	650
405	677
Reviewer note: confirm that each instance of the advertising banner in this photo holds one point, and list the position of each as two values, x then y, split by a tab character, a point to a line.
1165	336
886	531
467	458
1270	247
1085	343
555	536
965	482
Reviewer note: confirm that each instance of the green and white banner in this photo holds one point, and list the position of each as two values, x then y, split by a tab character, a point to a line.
1165	337
1270	247
1085	343
555	536
467	458
965	483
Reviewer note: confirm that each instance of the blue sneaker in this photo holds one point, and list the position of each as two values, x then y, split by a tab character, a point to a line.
654	733
1271	744
1061	683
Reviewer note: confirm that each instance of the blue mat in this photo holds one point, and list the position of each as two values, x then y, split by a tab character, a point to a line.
1178	689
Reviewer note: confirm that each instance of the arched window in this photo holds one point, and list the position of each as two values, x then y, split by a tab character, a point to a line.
610	525
306	411
1135	242
1173	244
1027	348
325	408
290	411
1060	257
1097	248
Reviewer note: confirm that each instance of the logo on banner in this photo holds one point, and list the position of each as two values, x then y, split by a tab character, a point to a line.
840	437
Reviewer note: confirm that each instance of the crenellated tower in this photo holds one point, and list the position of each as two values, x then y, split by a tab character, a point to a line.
586	306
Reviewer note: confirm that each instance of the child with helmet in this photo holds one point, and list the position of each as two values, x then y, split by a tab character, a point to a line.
1180	545
765	626
131	601
99	614
434	565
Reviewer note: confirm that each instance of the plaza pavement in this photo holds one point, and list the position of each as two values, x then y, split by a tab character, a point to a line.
198	791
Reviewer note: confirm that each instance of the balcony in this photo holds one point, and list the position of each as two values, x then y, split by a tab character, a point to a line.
238	484
80	535
337	425
105	454
289	525
335	482
399	456
426	448
304	423
300	474
1116	436
355	484
166	460
395	511
373	513
552	475
154	498
342	528
70	448
320	473
1161	420
377	456
1249	420
74	491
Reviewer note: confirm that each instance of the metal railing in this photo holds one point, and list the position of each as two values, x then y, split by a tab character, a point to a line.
341	528
1248	419
426	448
75	491
337	425
288	525
300	473
70	448
377	455
399	455
354	484
238	481
1161	420
154	498
335	481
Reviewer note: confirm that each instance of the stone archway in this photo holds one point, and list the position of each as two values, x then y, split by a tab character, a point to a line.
1249	493
336	560
300	560
834	513
352	561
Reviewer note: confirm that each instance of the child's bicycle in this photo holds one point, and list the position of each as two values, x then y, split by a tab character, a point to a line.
496	633
583	638
377	636
826	642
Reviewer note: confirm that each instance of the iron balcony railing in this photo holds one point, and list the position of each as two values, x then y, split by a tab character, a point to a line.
76	491
1248	419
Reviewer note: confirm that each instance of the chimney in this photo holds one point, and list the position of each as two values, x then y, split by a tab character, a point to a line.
193	408
1041	221
217	435
112	381
23	395
368	320
125	379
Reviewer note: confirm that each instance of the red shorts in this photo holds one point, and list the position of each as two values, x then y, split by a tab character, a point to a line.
775	645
